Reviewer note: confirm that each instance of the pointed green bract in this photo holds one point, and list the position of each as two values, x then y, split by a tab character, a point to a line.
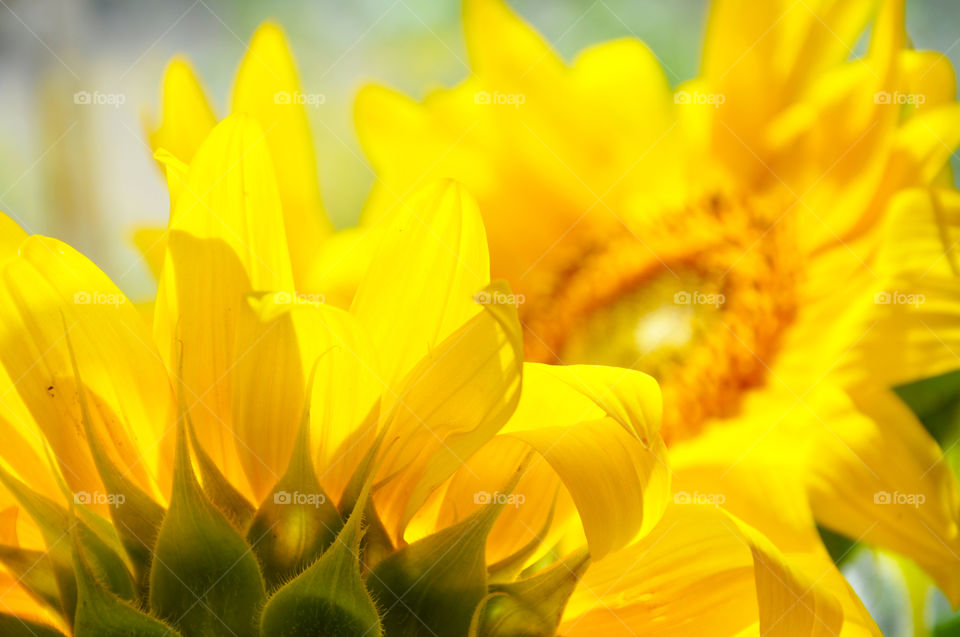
136	516
329	598
205	579
531	606
297	521
222	494
507	569
55	526
102	614
436	583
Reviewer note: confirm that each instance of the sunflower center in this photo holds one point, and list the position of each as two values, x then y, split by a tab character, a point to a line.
699	299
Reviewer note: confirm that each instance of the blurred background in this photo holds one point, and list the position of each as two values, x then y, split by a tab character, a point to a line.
84	173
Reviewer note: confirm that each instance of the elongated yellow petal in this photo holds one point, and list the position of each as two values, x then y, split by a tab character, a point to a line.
521	54
46	287
226	240
899	320
267	88
292	334
455	399
431	260
701	571
187	117
880	477
747	464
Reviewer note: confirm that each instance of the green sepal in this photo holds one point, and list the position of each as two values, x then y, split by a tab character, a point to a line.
13	626
531	606
296	522
137	518
507	569
329	598
55	525
205	579
218	489
35	573
376	544
435	584
100	613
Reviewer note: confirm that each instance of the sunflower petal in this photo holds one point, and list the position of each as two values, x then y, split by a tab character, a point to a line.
701	571
46	285
187	117
431	260
453	401
226	240
268	89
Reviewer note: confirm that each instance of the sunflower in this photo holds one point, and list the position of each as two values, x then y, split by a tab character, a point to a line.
256	460
290	411
772	240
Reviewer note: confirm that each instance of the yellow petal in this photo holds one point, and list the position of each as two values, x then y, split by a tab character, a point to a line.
598	429
878	476
226	240
187	117
341	264
431	260
519	55
49	285
701	571
291	335
268	88
456	399
754	468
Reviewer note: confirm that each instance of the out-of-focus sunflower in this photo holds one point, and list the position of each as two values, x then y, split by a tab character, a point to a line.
773	240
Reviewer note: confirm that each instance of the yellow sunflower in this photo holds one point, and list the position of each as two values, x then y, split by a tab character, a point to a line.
772	240
295	410
291	411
